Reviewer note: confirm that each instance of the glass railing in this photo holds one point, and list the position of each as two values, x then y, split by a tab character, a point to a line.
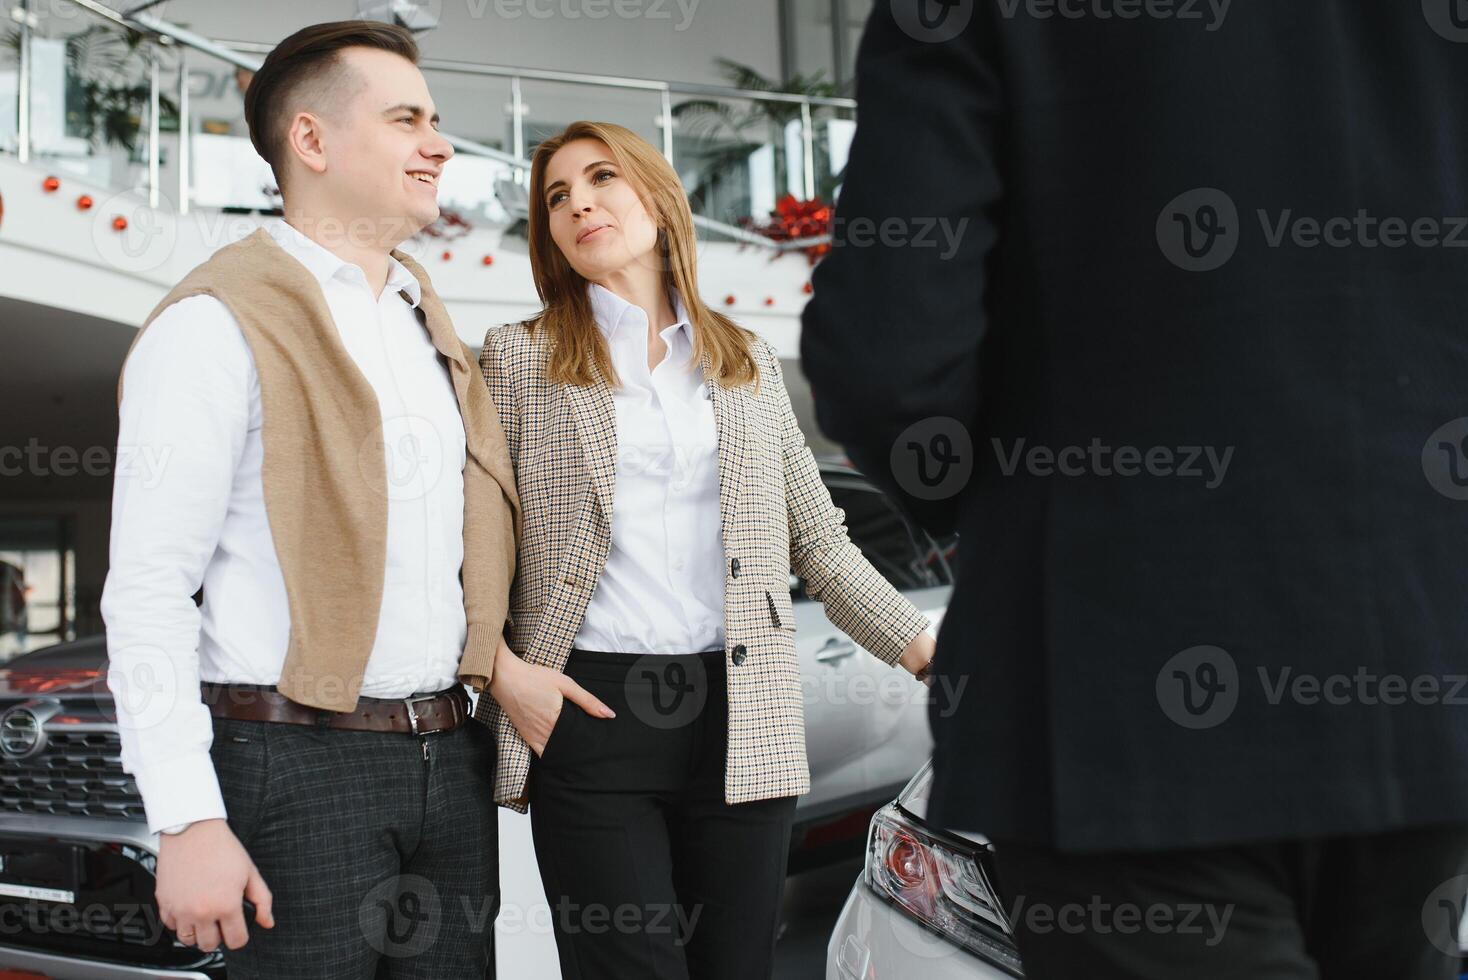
137	104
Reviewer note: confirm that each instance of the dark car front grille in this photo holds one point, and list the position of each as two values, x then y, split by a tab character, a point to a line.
77	773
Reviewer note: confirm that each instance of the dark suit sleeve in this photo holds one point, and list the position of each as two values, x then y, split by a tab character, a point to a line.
891	336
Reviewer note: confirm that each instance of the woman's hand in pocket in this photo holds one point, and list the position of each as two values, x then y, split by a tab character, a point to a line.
534	697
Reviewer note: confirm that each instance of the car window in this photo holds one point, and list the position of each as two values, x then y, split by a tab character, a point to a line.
904	554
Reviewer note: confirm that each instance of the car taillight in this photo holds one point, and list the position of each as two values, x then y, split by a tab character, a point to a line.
939	880
906	862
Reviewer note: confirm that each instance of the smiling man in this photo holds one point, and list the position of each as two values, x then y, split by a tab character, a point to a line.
340	489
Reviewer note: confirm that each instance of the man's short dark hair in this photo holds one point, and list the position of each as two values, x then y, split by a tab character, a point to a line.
312	54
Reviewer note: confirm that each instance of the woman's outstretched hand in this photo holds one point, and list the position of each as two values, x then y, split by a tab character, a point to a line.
533	696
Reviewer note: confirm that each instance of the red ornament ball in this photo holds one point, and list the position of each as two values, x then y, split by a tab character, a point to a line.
84	203
489	260
807	288
729	300
769	301
50	184
447	255
119	223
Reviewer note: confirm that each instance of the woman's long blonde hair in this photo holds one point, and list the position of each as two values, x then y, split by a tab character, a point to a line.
566	313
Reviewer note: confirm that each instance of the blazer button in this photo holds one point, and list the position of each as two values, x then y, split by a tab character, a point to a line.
739	655
734	567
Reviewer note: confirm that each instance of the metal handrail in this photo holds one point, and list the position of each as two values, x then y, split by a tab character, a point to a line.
242	54
600	81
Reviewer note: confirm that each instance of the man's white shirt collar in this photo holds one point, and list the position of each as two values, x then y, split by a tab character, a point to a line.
326	265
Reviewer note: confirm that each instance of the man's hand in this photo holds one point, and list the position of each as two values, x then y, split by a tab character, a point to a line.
533	696
204	875
918	657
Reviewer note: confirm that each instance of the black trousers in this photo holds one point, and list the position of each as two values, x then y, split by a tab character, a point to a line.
380	849
649	873
1379	907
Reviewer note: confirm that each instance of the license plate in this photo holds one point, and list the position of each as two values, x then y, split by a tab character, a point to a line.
40	871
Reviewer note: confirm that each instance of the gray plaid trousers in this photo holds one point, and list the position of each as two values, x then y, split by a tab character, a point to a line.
383	863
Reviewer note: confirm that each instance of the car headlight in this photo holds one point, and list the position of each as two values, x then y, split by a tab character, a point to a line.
939	879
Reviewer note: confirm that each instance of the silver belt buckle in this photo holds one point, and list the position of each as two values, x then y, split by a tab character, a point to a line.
413	714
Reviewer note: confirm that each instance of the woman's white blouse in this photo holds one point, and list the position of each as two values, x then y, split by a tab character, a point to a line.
662	590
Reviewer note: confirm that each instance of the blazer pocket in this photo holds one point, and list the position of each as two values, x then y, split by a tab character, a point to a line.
782	612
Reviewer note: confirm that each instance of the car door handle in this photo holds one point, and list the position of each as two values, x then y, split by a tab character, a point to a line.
835	649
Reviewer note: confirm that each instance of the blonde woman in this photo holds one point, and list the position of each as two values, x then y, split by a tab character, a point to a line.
648	703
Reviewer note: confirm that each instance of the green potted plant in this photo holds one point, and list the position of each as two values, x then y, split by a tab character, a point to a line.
107	89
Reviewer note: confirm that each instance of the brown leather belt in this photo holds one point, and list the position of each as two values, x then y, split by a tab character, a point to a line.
420	714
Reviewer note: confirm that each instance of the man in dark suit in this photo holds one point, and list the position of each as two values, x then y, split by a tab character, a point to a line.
1188	370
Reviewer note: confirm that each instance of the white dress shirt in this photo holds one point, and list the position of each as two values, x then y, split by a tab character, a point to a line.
662	590
196	516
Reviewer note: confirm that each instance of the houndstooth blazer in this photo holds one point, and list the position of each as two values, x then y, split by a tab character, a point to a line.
776	515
